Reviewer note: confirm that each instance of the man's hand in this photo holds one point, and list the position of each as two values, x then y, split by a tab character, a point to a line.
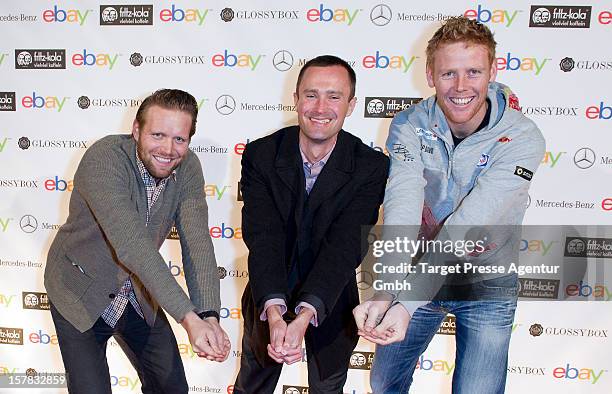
392	328
278	329
295	335
207	338
369	313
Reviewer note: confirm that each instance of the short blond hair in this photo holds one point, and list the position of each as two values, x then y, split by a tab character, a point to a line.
461	29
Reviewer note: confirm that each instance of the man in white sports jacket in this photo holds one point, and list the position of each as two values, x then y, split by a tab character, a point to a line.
462	158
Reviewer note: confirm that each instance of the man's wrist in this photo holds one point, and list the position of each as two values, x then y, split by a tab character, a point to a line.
305	313
274	313
206	314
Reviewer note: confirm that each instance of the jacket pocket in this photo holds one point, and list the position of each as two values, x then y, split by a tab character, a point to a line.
74	279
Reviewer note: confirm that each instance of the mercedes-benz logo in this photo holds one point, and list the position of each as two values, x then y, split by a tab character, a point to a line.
24	143
136	59
227	14
292	390
584	158
381	15
225	104
83	102
528	200
28	223
566	64
282	60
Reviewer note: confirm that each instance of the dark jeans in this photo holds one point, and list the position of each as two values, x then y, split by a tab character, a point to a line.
152	351
255	379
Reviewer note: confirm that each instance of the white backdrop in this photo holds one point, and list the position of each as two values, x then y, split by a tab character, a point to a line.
241	65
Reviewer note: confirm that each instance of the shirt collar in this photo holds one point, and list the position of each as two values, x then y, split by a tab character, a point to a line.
318	163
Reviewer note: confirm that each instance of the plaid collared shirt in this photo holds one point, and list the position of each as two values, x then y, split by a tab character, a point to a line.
113	312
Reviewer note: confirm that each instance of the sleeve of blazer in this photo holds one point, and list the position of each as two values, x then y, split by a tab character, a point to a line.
342	250
197	249
262	231
101	179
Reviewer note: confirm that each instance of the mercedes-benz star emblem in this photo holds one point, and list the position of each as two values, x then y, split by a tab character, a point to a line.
584	158
83	102
24	143
227	14
381	15
282	60
225	104
28	223
136	59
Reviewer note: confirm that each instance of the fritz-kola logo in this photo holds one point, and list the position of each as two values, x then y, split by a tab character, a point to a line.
361	360
126	14
387	107
566	16
47	59
7	101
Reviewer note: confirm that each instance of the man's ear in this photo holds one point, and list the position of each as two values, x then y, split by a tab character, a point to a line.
493	72
135	130
351	107
429	75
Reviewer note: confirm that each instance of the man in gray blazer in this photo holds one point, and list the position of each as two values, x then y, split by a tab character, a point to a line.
104	274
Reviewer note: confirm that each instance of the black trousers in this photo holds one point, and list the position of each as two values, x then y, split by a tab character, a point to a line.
255	379
152	351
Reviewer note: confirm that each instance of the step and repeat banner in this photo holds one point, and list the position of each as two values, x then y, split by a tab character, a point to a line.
72	72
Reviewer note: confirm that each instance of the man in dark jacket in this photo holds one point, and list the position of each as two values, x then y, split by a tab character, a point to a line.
307	191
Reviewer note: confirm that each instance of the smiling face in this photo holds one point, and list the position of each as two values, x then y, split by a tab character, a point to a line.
461	73
322	102
163	141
